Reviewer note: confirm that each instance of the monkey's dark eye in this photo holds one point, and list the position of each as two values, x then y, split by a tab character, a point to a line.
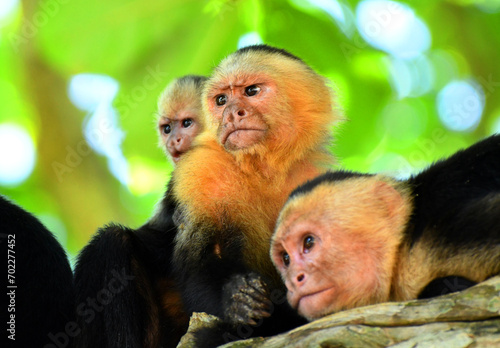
286	259
308	243
221	99
252	90
187	122
166	129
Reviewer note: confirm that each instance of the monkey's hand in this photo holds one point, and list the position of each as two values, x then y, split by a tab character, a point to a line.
245	299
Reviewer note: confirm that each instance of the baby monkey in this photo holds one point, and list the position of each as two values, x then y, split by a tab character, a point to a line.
180	118
347	239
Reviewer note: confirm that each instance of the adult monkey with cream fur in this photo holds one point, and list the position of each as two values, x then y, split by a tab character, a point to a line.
270	121
180	119
348	239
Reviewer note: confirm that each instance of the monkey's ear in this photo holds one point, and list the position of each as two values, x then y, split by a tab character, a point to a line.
391	200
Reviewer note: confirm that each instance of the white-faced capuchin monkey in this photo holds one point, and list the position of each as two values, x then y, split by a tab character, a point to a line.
180	119
146	310
348	239
269	121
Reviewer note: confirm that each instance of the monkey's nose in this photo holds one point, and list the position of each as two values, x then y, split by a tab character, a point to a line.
242	113
300	277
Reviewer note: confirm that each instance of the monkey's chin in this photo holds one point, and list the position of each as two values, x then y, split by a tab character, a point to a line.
241	139
317	304
176	156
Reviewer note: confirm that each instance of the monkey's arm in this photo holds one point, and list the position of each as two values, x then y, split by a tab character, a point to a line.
250	308
202	264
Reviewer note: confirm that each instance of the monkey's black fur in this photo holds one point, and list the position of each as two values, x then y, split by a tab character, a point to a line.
460	195
327	177
137	258
143	257
268	49
445	285
42	282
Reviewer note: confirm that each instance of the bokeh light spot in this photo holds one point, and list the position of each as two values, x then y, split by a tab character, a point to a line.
411	77
7	7
95	93
249	39
87	91
393	28
17	154
104	135
460	105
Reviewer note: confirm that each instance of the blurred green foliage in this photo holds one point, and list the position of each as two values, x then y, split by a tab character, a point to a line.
391	104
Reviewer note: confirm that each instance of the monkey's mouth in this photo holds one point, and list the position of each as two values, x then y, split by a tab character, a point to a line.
306	299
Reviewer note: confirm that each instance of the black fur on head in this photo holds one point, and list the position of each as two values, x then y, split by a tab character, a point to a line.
268	49
327	177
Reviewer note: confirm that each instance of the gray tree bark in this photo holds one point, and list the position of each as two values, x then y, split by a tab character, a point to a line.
469	318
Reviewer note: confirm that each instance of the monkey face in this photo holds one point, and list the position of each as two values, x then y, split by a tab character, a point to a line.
267	104
298	257
239	106
178	131
326	251
322	267
180	115
324	270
